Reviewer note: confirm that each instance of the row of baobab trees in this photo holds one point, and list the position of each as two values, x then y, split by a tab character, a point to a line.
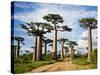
38	29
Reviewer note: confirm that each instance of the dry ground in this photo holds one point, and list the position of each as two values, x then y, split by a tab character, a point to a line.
64	65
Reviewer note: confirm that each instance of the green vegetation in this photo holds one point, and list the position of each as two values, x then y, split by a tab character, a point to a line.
24	63
82	60
26	67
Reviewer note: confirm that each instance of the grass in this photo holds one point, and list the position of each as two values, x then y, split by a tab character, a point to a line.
83	61
26	67
80	61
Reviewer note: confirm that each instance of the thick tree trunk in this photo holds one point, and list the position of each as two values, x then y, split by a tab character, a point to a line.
72	53
65	53
54	51
35	50
89	45
62	51
18	49
45	49
39	49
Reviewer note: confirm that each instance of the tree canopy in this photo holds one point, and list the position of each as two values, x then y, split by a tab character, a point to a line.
53	18
88	22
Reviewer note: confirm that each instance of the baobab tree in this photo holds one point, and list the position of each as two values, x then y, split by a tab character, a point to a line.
55	19
66	51
89	24
71	44
19	41
37	29
62	41
46	41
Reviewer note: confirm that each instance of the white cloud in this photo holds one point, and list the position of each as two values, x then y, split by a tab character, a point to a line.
83	41
70	15
28	37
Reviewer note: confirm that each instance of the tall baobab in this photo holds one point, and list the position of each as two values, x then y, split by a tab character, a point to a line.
62	41
19	41
55	19
37	29
46	41
66	51
71	44
89	24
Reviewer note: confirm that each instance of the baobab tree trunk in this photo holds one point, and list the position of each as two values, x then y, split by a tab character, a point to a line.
62	51
65	53
54	51
35	50
89	45
40	47
39	52
45	49
18	49
72	53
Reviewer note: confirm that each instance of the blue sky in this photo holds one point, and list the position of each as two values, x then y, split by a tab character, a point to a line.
27	12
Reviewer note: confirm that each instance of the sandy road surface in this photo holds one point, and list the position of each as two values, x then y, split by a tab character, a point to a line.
60	66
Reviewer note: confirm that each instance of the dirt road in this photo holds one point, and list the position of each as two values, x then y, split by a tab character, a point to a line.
61	66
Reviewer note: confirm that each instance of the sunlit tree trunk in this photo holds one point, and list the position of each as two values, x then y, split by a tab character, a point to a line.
35	50
72	53
54	51
62	52
39	48
89	45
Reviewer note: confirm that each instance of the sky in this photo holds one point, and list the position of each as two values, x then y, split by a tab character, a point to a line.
25	12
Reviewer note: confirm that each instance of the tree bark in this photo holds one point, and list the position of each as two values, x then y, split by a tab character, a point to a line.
65	54
40	47
18	49
35	50
72	53
89	45
39	52
45	49
54	51
62	51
